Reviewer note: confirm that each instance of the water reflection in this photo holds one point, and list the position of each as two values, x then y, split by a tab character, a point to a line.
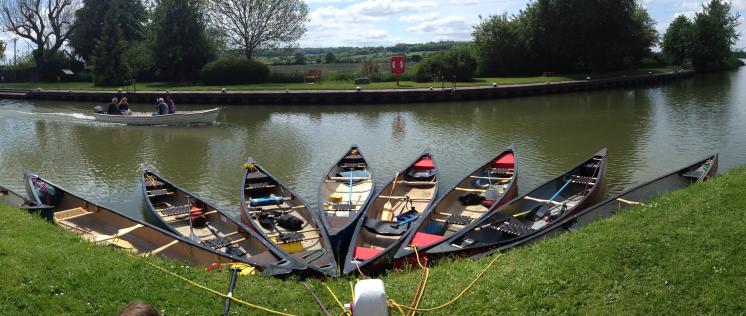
648	131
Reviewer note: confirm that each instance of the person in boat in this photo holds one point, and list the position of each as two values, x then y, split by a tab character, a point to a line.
171	105
113	107
161	108
98	109
124	107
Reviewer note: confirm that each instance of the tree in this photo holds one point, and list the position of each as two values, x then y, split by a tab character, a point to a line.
457	63
181	46
252	24
300	59
330	58
110	68
90	19
2	50
678	40
46	23
715	33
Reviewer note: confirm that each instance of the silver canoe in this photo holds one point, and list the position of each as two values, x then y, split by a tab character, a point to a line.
179	118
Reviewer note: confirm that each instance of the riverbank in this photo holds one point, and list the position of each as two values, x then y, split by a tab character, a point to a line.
680	254
332	93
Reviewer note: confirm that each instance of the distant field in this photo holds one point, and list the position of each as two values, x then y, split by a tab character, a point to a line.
348	67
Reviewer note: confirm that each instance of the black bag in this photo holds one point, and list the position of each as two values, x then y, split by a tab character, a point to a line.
267	222
471	199
290	222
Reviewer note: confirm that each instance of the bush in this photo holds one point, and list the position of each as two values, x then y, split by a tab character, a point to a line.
457	62
235	71
281	77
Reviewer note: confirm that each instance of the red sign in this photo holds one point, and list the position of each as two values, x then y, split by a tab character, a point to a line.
397	64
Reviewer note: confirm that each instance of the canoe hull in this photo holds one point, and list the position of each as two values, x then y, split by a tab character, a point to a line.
92	222
205	117
639	194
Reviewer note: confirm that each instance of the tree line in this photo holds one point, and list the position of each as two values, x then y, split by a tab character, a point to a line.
185	40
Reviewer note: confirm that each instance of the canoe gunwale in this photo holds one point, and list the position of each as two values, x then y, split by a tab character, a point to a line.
272	270
589	199
378	262
145	169
510	193
570	223
323	234
359	214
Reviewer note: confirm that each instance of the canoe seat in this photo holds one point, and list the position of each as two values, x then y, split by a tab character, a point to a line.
584	180
153	183
344	207
217	242
513	227
354	158
259	186
385	227
352	165
693	174
424	240
256	177
176	210
157	193
458	219
365	253
289	237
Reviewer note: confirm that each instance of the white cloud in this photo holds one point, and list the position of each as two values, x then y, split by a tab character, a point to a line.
688	14
452	27
419	17
692	5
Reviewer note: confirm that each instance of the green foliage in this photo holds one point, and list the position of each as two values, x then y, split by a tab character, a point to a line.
715	33
415	58
235	71
565	36
300	59
2	50
110	67
330	58
457	63
89	21
678	40
181	46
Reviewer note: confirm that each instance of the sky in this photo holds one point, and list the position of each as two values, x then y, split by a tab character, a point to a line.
388	22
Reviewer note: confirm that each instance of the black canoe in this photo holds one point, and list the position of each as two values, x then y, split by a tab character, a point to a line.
103	226
283	218
700	171
179	211
532	213
481	192
391	216
344	193
16	200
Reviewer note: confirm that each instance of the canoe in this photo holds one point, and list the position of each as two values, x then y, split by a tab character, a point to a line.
391	216
103	226
283	218
532	213
179	118
179	211
16	200
700	171
478	194
344	193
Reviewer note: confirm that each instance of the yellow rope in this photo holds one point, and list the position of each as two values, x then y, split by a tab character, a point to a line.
420	291
393	303
249	166
337	300
213	291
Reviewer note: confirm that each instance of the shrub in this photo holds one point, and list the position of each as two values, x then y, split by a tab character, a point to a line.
282	77
457	62
234	71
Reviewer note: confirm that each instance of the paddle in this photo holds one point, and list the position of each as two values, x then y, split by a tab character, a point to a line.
120	233
388	202
191	227
232	286
351	174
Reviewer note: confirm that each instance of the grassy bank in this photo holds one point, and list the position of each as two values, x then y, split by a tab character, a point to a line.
324	85
680	254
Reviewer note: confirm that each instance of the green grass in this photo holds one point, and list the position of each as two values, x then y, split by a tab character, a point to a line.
324	85
681	254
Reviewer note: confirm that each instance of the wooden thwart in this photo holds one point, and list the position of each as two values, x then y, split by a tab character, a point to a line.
348	178
120	233
468	190
542	201
417	182
71	214
402	198
162	248
491	178
301	232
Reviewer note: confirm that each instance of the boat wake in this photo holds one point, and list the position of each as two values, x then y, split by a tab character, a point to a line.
79	116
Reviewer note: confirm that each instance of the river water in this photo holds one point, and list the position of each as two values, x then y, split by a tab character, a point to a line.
648	131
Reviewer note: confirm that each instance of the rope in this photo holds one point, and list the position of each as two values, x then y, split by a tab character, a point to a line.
213	291
394	304
420	290
249	166
345	312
